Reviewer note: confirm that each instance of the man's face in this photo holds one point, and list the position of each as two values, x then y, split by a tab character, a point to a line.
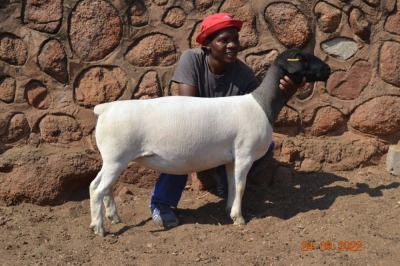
225	45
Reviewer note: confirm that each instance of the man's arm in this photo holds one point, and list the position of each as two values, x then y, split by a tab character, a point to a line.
286	85
187	90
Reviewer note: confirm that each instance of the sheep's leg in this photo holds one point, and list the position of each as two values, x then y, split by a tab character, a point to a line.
95	206
99	188
240	173
230	173
111	208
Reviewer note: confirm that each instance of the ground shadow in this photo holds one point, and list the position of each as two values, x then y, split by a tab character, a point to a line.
307	192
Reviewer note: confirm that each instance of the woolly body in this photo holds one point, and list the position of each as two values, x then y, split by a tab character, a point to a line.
206	134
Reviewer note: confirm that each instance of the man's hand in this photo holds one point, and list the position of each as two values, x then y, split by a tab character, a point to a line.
289	88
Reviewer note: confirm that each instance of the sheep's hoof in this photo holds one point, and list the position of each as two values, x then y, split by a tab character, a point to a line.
114	218
238	221
97	230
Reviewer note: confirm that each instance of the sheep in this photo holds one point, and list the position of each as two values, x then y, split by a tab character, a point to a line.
180	135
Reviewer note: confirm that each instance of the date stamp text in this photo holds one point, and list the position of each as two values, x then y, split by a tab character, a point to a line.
332	246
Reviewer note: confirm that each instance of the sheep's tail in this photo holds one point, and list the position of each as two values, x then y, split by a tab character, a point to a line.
99	109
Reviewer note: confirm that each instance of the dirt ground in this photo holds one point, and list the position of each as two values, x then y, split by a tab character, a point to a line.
342	218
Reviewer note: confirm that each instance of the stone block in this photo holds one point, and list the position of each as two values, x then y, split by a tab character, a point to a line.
393	160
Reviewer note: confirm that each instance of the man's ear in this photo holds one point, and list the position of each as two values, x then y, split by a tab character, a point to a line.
206	47
206	44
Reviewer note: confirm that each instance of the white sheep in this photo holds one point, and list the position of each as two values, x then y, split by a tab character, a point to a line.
180	135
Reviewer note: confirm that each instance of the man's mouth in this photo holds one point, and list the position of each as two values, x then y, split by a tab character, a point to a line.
231	53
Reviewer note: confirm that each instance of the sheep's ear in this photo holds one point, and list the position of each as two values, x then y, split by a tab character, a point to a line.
293	65
294	69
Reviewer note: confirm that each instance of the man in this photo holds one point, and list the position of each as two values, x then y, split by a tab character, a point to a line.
210	71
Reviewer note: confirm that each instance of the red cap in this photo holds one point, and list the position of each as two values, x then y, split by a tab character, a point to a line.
214	23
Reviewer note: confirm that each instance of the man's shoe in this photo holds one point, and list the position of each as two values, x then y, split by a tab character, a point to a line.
163	215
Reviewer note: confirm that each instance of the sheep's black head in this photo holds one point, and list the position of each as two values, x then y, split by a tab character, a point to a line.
297	64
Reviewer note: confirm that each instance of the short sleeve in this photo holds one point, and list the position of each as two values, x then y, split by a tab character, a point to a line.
185	71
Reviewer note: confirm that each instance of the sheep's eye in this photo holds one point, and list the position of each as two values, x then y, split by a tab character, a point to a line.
293	59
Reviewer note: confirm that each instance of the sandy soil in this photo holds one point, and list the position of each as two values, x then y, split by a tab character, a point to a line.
343	218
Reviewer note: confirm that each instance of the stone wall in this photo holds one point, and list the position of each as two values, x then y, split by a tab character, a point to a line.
58	59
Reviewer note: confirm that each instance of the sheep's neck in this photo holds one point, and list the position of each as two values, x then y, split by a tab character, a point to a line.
268	95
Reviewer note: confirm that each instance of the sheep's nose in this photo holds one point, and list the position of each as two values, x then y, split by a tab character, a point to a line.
326	72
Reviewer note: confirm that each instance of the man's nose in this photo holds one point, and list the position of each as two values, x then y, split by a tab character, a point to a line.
233	44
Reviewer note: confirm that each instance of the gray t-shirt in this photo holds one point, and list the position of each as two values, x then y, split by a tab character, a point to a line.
193	70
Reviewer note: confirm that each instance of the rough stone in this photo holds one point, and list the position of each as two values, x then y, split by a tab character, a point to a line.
389	63
328	17
99	84
203	5
160	2
327	119
138	14
304	92
138	175
13	50
17	128
242	9
7	89
4	119
260	62
59	128
53	60
153	50
393	21
309	165
94	32
348	85
68	173
379	116
393	160
359	24
345	152
175	17
42	15
340	48
287	117
149	87
372	2
289	25
37	95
